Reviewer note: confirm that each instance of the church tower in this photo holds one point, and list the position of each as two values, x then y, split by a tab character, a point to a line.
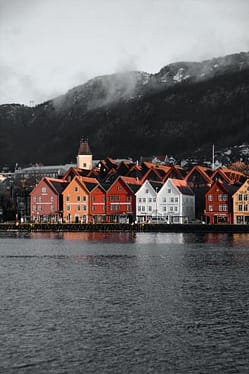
84	158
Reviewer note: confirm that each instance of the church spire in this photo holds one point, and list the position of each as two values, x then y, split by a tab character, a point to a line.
84	157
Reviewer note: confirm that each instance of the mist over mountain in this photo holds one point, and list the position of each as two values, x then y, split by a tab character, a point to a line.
184	107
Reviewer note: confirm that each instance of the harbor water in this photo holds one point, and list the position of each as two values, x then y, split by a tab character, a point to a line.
85	302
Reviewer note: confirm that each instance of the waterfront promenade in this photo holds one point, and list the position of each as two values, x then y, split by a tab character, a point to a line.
66	227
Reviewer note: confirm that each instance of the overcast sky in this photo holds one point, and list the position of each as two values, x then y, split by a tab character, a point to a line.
49	46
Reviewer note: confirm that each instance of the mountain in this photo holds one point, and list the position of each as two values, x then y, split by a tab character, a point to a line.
185	107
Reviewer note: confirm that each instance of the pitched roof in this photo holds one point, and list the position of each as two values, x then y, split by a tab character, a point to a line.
182	186
58	185
89	182
202	170
84	148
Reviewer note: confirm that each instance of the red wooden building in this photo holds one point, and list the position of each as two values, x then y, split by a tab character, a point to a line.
121	200
46	200
219	203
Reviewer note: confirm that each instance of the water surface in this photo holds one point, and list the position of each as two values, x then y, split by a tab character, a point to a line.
124	303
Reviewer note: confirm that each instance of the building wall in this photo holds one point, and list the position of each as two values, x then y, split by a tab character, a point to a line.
97	205
218	205
44	203
241	204
84	162
120	202
75	203
146	206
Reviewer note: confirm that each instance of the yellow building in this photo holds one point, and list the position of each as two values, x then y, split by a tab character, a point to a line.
241	204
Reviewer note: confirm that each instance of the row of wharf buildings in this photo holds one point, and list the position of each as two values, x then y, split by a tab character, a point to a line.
125	191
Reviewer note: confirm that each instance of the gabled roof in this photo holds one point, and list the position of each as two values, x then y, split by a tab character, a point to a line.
156	185
152	174
182	186
132	183
202	170
89	183
57	185
220	174
226	187
234	175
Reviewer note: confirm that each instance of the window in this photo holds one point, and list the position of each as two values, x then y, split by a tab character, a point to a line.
93	199
128	207
84	207
150	208
94	207
225	207
83	198
139	200
171	199
78	207
154	199
143	208
114	198
240	197
52	208
169	190
68	207
78	198
210	197
128	198
139	208
164	199
240	208
68	198
245	208
144	200
119	188
220	197
146	191
225	197
44	190
84	165
114	207
171	208
164	209
175	208
176	199
75	189
150	200
34	198
210	208
220	208
52	198
34	207
245	197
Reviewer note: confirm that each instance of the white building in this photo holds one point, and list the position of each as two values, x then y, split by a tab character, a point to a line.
176	201
146	201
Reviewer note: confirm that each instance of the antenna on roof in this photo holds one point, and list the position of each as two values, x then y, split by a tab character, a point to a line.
213	157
